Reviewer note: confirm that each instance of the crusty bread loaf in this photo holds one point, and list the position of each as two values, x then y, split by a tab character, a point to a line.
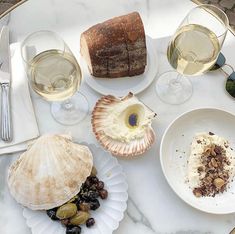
116	47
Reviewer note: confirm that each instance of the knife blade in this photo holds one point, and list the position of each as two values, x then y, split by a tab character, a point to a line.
5	82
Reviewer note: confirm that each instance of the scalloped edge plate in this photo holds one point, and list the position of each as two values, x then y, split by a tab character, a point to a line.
111	211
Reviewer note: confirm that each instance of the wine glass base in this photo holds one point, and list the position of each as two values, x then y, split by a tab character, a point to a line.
173	88
72	111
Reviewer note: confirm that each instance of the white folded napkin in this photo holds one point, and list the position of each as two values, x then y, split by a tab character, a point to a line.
23	118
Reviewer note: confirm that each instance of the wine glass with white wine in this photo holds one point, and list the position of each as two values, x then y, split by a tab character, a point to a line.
192	51
55	74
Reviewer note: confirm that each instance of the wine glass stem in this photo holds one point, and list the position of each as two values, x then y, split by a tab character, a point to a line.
175	84
67	105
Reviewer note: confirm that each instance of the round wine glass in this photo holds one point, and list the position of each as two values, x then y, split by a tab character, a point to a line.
192	51
55	74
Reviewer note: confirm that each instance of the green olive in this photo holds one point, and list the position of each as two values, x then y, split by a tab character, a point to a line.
66	211
93	171
80	218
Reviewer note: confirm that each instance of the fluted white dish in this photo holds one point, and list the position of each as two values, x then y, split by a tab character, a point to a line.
111	210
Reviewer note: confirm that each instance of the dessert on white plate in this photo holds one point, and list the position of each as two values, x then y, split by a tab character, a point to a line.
175	151
211	164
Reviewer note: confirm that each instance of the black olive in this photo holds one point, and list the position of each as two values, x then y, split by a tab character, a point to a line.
73	230
87	183
52	214
83	186
83	190
94	204
93	179
93	187
103	193
100	185
90	222
79	201
92	195
83	195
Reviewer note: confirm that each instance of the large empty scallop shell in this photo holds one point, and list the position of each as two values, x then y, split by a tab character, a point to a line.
50	172
123	126
111	210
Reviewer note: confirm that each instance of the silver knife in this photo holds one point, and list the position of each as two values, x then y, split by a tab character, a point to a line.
5	81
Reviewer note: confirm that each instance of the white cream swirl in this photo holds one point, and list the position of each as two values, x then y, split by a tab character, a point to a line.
117	120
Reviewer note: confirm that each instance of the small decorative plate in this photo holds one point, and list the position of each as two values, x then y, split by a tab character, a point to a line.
175	150
111	211
121	86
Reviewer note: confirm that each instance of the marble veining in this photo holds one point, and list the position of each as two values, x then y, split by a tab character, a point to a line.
136	215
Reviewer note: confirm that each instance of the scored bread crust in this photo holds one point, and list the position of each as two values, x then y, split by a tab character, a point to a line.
116	47
133	32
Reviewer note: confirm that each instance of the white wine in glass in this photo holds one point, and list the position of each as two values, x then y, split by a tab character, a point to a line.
192	51
55	75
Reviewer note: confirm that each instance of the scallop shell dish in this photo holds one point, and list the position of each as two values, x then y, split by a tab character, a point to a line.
123	126
50	172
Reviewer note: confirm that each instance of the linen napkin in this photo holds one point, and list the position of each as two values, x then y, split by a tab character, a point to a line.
23	118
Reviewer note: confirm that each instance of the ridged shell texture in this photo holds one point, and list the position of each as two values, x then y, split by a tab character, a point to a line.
50	172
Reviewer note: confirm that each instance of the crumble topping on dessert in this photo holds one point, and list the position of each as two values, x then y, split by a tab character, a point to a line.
211	165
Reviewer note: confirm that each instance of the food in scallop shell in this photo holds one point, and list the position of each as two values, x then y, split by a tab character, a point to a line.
50	172
123	126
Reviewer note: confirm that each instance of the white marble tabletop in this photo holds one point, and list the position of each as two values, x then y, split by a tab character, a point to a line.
153	208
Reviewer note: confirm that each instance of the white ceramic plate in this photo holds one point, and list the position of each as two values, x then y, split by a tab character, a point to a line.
175	149
122	86
111	211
